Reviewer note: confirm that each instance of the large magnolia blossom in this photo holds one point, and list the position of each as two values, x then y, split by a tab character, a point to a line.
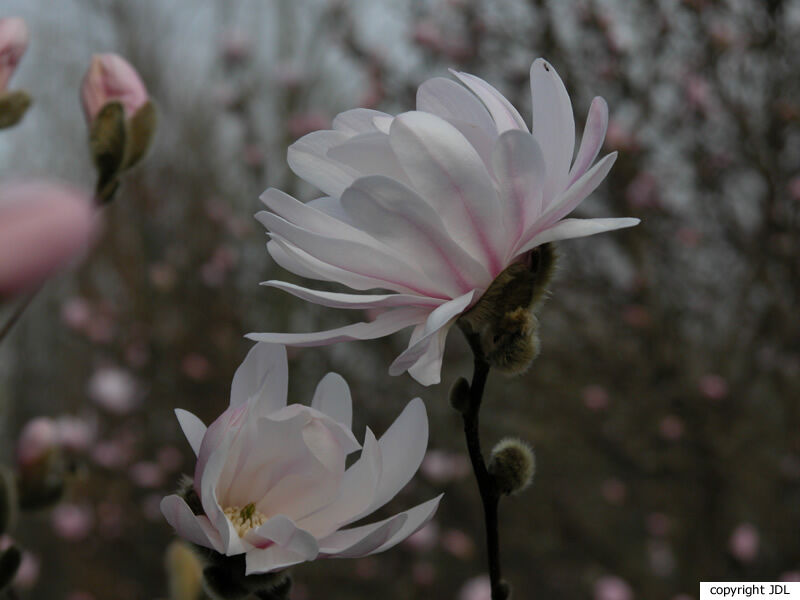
271	478
433	204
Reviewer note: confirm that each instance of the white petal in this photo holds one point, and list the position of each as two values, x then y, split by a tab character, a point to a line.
553	124
193	428
445	98
518	167
262	377
383	123
352	256
503	112
298	261
355	301
459	107
449	174
415	519
369	154
576	194
356	492
385	324
402	450
593	135
270	559
307	157
309	217
208	474
282	531
191	527
357	120
332	397
394	214
428	369
360	541
575	228
440	318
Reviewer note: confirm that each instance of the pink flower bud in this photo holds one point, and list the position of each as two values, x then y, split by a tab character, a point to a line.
13	42
111	78
42	227
38	438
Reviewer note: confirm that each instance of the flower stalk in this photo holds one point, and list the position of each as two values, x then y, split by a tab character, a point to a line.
490	494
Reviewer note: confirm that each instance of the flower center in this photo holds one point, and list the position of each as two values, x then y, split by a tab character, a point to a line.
245	519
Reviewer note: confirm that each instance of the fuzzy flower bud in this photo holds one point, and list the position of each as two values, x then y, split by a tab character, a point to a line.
504	320
42	227
512	464
13	43
459	394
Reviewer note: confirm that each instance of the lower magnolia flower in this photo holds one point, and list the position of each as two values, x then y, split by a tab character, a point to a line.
433	205
271	481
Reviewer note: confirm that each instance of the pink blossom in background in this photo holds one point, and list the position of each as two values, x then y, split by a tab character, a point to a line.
614	491
423	574
611	587
76	312
289	75
671	428
619	137
427	34
689	236
101	328
458	543
236	46
74	433
477	588
366	568
300	124
595	397
441	466
713	386
112	454
111	78
424	539
661	557
43	227
744	542
39	436
698	92
195	366
147	474
14	39
790	576
113	389
72	522
794	188
253	156
658	524
642	192
28	571
162	276
169	458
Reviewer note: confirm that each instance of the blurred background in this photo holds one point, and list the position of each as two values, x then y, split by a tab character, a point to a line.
665	406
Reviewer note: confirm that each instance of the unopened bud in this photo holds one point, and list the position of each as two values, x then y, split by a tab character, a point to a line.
13	106
459	395
512	465
8	499
184	572
10	560
111	78
121	119
13	43
41	467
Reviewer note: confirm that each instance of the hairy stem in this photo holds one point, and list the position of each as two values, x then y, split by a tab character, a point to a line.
490	496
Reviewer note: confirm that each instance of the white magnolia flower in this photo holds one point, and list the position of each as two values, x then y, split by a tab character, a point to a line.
433	204
271	478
